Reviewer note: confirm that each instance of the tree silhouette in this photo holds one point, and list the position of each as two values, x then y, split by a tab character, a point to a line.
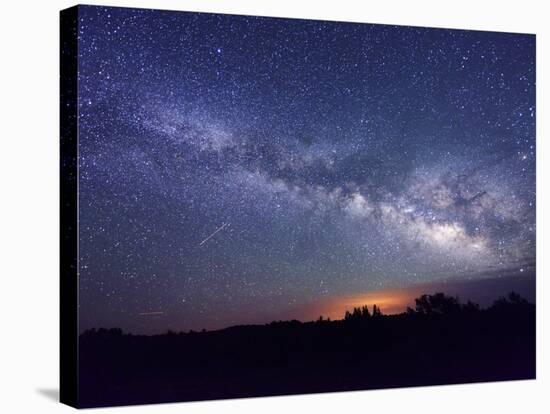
437	304
361	313
496	342
357	314
512	301
376	312
470	307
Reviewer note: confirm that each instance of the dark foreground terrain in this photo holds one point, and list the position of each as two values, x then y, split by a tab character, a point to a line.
439	342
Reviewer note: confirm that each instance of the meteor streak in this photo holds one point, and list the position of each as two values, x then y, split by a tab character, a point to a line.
224	225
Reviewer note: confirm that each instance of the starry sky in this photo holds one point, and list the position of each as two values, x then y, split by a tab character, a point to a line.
237	169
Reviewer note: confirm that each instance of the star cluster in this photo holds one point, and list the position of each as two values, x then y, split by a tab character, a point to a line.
327	158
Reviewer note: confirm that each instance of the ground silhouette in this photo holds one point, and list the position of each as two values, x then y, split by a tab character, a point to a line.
440	341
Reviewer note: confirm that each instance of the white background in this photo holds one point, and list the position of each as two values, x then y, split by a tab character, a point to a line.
29	209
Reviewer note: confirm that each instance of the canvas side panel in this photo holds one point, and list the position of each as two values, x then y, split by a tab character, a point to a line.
68	207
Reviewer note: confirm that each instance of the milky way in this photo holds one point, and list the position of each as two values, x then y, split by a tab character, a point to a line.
317	159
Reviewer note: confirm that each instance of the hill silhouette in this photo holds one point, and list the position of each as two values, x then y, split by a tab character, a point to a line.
440	341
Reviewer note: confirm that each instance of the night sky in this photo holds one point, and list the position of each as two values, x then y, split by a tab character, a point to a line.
242	169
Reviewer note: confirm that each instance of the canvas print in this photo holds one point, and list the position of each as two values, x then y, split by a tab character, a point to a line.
258	206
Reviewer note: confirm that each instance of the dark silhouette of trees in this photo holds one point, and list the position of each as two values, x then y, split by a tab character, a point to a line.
322	320
441	304
470	307
437	304
102	333
465	343
512	300
359	314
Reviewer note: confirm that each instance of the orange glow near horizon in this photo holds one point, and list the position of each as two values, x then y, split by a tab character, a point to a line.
396	300
390	301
